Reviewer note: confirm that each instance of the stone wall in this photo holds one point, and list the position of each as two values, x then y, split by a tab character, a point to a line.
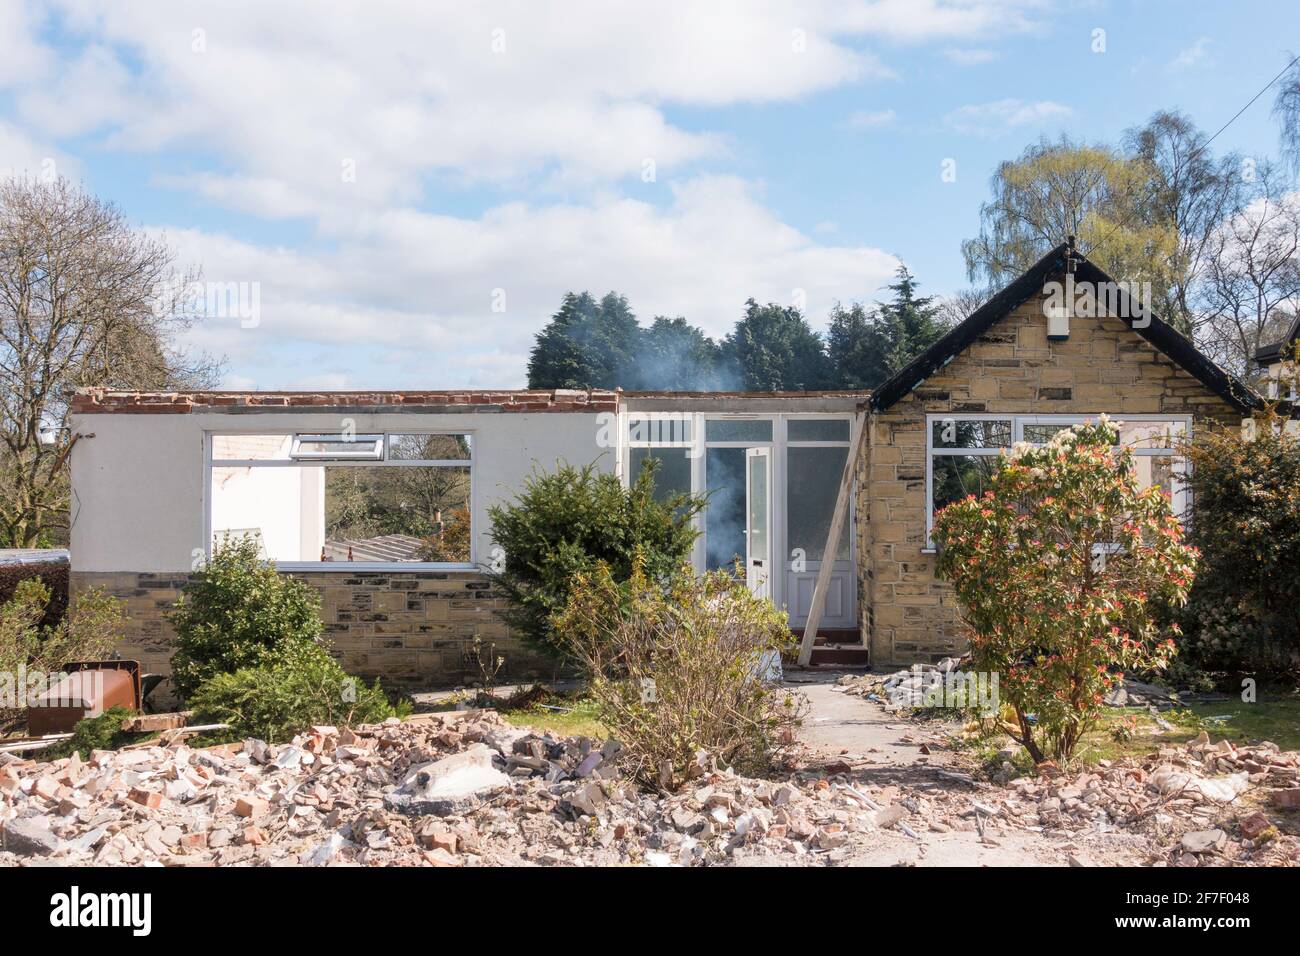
413	629
1104	366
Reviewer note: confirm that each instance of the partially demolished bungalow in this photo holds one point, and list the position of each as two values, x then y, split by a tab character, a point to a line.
380	499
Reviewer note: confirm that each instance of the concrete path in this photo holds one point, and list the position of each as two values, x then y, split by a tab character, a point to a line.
886	753
842	724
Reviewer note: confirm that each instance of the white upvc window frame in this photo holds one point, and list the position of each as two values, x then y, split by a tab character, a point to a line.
779	445
356	448
1181	496
209	462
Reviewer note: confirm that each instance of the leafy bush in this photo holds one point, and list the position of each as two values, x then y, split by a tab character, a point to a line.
1055	567
96	733
1243	613
675	672
567	522
53	574
89	631
239	612
272	702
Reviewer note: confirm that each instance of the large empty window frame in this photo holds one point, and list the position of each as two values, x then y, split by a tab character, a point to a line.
321	501
962	452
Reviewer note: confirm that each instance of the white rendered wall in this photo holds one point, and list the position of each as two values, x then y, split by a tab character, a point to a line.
138	483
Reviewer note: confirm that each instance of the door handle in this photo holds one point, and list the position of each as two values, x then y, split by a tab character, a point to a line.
757	563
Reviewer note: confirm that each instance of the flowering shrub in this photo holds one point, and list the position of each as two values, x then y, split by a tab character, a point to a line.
1056	566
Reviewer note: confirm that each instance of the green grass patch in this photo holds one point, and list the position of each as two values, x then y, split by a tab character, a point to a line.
1134	732
1275	719
565	716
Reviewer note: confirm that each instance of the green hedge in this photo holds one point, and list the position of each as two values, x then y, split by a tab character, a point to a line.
53	574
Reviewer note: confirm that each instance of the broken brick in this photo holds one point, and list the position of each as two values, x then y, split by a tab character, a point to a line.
145	798
250	806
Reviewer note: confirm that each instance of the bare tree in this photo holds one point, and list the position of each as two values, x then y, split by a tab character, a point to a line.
1251	284
957	308
1190	191
85	299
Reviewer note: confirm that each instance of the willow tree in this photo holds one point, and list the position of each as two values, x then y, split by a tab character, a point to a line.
1058	189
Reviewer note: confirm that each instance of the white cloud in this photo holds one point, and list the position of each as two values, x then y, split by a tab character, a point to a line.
870	119
424	284
928	20
23	59
1001	116
971	56
269	109
287	91
1192	56
20	155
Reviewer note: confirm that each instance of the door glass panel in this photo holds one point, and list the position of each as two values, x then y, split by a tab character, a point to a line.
758	507
724	514
738	429
813	482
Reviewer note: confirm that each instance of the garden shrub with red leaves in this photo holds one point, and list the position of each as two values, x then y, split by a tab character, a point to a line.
1058	568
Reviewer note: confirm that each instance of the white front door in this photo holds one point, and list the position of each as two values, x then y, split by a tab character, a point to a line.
758	521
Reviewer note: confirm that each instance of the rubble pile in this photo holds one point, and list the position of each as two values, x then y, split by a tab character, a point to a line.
1200	804
438	790
933	685
918	686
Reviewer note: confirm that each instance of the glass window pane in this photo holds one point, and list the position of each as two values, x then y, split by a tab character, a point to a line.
813	476
818	430
429	447
251	447
1137	434
971	433
1041	434
1155	470
956	476
724	515
733	429
1151	434
343	447
674	474
664	429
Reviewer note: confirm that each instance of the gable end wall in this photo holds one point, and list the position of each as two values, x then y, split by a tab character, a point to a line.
908	615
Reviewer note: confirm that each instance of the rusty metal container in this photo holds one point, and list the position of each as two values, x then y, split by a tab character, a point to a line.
88	689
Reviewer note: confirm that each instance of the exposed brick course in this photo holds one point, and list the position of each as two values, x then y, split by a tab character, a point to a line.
100	400
414	629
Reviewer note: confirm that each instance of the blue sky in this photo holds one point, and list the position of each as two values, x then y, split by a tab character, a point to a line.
411	188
